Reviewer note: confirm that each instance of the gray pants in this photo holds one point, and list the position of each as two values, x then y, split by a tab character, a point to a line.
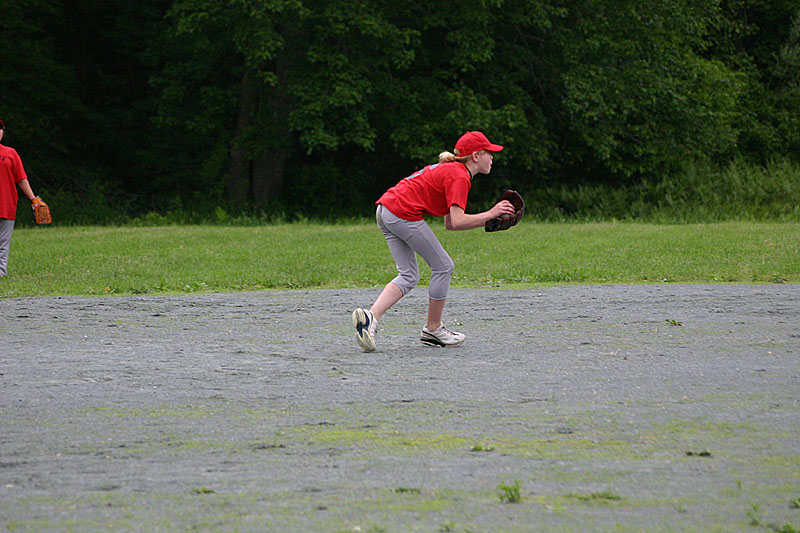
406	240
6	227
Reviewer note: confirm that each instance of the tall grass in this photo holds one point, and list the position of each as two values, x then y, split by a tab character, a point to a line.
177	259
701	193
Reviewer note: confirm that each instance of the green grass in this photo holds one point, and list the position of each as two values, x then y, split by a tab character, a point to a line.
178	259
510	493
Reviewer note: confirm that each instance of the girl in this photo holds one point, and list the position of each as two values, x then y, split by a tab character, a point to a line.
438	190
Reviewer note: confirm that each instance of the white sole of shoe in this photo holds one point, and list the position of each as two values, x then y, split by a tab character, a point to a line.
359	320
433	341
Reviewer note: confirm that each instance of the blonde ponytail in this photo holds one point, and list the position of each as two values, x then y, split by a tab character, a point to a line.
448	157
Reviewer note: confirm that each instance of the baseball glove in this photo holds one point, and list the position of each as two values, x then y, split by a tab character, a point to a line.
503	222
41	213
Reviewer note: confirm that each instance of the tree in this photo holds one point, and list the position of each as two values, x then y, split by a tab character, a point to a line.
40	102
751	38
339	79
74	96
787	92
640	98
306	74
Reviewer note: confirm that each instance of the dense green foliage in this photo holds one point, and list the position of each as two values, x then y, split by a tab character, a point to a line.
200	108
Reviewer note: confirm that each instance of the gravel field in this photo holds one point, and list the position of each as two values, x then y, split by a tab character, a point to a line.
611	407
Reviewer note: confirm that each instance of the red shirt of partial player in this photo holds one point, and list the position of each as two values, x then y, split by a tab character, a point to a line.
429	192
11	173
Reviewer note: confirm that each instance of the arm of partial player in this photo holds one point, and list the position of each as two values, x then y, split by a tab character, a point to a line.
25	187
459	220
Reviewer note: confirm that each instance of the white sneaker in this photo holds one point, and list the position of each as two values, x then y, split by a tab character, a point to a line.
366	328
441	337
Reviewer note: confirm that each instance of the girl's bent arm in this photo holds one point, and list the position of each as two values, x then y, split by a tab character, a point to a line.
459	220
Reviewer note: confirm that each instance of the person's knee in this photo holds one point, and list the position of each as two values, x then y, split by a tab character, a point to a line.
440	280
451	266
407	281
444	269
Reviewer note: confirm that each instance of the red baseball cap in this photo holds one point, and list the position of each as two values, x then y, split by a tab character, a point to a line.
474	141
2	125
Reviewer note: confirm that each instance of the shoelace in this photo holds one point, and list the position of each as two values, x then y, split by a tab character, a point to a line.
445	330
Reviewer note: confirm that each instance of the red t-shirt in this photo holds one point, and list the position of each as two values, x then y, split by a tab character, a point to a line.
11	173
430	191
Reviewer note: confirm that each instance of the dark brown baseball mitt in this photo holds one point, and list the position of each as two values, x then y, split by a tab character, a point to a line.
503	222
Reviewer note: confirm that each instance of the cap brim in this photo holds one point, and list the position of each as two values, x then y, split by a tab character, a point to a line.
494	148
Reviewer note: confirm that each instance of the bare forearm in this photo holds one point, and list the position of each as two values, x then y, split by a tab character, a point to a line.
25	187
457	219
464	221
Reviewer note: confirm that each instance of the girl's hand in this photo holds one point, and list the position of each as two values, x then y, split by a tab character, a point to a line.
504	207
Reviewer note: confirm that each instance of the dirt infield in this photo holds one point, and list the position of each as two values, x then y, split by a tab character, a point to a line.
647	407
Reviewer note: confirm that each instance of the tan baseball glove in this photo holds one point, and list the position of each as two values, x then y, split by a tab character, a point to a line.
41	213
